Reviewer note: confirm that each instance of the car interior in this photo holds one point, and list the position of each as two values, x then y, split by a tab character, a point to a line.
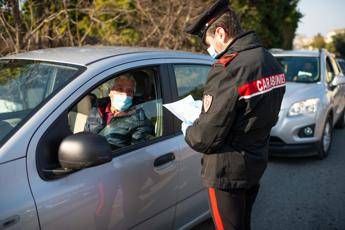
145	97
73	120
303	69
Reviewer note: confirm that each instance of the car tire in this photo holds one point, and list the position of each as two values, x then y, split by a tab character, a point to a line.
324	144
341	122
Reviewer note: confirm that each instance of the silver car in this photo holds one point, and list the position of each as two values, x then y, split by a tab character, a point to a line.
313	104
341	63
44	104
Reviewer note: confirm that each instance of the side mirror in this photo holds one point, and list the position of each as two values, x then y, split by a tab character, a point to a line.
84	150
338	80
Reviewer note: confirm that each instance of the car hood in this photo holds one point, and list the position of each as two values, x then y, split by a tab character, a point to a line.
300	91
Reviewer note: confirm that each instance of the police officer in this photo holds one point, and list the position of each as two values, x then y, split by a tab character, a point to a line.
241	102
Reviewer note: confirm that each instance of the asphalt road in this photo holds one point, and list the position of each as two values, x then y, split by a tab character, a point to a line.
302	193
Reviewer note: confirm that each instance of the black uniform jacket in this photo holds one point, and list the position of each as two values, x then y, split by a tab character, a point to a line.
241	102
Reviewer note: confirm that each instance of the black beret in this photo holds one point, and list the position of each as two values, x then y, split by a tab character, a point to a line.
201	24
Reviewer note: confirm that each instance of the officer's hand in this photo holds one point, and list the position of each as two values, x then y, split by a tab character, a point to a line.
184	127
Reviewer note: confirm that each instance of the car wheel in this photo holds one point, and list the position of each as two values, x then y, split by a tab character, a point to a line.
341	122
324	144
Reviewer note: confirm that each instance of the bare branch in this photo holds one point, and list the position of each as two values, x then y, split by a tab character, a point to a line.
45	21
5	23
7	31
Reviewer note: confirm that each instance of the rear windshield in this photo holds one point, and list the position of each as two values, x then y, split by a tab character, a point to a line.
300	69
25	86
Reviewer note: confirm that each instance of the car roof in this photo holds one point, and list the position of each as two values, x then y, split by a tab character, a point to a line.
296	53
87	55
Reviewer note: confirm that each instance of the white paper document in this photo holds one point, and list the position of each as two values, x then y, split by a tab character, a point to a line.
186	109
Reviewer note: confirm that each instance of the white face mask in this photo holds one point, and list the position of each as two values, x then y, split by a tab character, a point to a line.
213	53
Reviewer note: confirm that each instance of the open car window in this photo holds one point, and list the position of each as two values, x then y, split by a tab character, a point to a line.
142	121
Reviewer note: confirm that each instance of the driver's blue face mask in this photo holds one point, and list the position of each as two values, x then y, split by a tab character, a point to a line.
121	102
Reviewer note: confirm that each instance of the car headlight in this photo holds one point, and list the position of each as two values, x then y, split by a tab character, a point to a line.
303	107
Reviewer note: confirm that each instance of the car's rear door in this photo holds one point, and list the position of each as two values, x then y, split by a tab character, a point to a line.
137	189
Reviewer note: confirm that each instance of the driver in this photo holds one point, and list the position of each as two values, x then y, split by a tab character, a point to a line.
116	118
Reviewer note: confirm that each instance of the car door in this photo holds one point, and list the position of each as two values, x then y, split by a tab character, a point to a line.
189	79
17	207
336	91
341	87
24	86
136	190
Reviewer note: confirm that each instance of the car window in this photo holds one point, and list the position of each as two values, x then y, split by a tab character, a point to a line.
190	79
300	69
342	65
334	65
25	85
330	71
100	111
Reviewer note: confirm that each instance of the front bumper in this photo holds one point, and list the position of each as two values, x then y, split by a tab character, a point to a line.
286	139
288	129
278	148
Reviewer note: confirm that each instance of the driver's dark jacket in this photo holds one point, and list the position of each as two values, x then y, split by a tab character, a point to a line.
120	131
244	88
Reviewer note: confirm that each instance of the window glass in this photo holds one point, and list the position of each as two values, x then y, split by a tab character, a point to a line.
300	69
334	65
190	79
24	86
330	71
342	65
126	110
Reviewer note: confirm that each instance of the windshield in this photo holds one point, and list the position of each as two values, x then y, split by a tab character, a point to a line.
300	69
24	86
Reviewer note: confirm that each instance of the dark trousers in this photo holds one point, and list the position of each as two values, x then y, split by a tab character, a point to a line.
231	209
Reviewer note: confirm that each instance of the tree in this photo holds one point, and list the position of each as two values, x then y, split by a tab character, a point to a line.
162	23
35	24
337	45
275	21
318	42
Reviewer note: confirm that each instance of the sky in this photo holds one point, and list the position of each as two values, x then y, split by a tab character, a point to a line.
321	16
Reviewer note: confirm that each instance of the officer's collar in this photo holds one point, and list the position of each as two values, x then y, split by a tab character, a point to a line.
236	46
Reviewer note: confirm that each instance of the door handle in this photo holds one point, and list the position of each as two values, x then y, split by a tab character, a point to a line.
166	158
9	222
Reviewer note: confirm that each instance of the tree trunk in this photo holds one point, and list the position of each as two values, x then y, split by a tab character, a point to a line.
17	24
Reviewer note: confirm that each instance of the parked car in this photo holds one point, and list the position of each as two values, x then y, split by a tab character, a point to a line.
313	104
44	103
341	63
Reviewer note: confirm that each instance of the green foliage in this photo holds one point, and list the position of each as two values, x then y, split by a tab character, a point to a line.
337	45
9	72
129	36
109	23
52	23
275	21
318	42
